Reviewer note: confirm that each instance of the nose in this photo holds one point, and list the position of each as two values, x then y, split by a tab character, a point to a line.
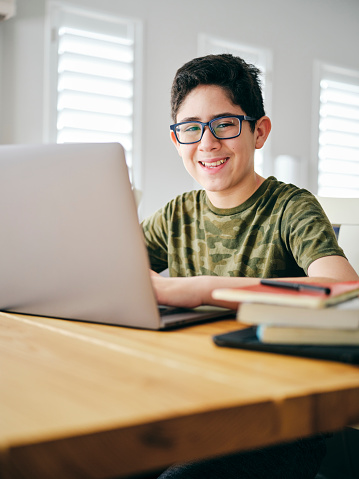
208	141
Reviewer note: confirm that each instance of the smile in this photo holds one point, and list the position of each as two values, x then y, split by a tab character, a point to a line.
213	164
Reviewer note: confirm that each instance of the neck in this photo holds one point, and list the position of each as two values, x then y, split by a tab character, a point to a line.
231	199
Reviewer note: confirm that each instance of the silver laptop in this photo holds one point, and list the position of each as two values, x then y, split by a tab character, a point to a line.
71	245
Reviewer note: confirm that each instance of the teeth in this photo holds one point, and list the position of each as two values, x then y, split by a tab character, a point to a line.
213	164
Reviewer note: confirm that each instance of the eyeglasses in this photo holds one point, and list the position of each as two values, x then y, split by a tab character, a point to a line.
222	128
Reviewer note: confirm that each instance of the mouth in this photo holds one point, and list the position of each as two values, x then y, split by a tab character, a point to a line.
214	164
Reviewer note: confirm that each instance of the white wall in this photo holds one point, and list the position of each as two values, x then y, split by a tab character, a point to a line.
298	32
23	72
1	78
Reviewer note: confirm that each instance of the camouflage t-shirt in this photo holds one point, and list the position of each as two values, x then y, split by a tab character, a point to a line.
278	232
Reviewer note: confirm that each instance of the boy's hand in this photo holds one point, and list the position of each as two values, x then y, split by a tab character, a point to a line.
182	292
195	291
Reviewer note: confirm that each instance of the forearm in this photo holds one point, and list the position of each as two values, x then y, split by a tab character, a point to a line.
201	287
206	285
334	267
196	290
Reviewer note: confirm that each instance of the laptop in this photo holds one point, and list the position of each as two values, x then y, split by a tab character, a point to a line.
71	245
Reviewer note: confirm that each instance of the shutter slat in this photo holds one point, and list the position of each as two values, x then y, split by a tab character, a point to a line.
338	166
95	84
94	121
339	139
339	111
338	152
82	101
339	125
341	181
338	192
339	86
81	135
77	63
83	44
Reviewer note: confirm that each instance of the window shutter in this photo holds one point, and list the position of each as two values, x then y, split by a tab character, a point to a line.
94	79
338	167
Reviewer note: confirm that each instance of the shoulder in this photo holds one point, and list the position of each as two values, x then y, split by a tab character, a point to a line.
299	212
186	203
286	196
180	206
283	190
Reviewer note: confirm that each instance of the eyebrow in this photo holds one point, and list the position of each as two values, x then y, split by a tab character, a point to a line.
196	118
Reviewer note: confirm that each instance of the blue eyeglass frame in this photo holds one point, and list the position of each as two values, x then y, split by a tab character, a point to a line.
209	124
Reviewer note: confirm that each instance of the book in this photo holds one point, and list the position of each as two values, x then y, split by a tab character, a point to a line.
263	293
267	333
344	315
247	339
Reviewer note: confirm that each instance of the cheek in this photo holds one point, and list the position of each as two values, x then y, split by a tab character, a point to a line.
234	144
187	152
241	146
188	164
189	159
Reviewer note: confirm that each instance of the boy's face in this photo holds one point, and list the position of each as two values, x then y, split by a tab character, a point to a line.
224	168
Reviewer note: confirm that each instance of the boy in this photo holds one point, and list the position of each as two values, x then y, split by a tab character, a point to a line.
238	229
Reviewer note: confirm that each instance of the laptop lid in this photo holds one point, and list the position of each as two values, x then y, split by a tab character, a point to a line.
71	245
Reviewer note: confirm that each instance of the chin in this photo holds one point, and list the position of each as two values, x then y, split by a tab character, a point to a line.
212	185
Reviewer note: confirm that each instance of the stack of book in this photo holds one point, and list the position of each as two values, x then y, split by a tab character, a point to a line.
294	313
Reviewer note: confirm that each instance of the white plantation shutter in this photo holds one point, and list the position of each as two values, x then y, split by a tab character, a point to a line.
338	155
93	87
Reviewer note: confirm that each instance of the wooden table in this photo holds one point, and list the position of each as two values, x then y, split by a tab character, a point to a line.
85	400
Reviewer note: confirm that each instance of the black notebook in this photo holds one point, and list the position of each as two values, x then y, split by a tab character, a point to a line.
247	339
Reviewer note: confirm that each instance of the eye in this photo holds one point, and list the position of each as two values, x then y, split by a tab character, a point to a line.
191	128
224	124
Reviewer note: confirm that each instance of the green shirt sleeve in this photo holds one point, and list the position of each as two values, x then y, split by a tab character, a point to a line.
156	237
306	230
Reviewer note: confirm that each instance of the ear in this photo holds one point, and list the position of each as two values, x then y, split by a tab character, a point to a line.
176	144
263	128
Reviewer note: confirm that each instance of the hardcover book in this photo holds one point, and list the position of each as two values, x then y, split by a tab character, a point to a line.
267	333
263	293
343	315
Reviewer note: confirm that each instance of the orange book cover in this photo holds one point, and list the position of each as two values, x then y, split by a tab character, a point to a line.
263	293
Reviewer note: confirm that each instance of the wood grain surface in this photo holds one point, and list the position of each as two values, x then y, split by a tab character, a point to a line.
89	400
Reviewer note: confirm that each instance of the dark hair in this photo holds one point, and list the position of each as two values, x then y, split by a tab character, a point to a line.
239	79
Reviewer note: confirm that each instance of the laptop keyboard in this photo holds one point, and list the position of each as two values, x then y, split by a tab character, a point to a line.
169	310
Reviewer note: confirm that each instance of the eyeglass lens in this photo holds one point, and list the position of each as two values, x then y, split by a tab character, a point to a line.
222	128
